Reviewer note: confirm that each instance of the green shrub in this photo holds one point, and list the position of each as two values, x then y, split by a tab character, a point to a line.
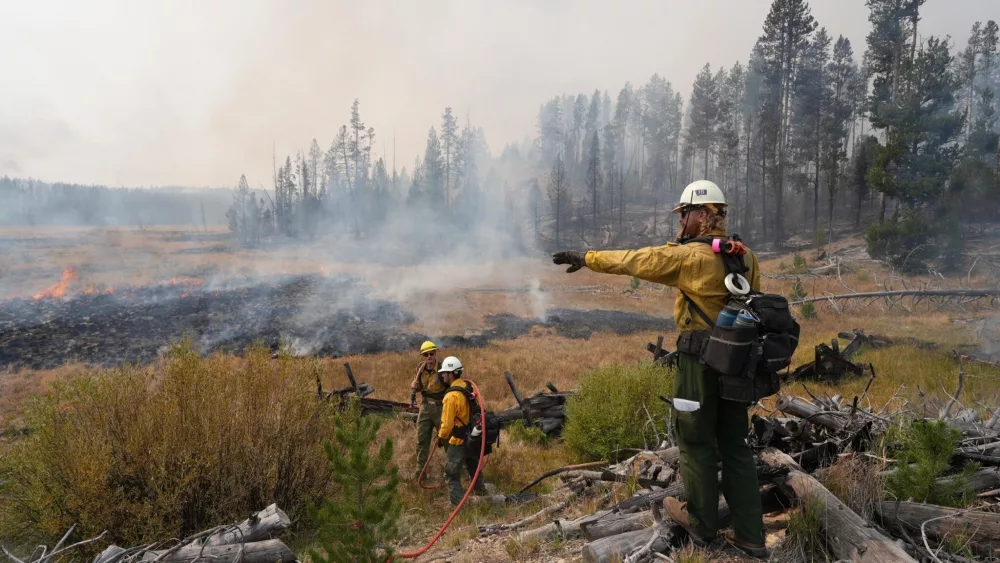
169	450
799	265
522	434
633	284
906	244
926	451
609	413
359	522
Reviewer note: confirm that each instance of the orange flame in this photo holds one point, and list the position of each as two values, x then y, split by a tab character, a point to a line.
59	289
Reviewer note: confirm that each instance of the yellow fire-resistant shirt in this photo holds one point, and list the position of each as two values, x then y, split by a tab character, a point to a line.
427	379
693	268
454	412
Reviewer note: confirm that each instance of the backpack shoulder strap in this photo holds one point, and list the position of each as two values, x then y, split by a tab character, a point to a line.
697	309
465	391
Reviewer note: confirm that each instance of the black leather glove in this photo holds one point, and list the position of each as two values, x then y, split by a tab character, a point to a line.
442	442
574	258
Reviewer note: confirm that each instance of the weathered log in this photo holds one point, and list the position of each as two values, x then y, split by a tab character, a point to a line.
616	524
567	529
610	477
517	397
848	535
262	525
267	551
810	412
108	553
615	548
972	525
902	293
982	480
611	547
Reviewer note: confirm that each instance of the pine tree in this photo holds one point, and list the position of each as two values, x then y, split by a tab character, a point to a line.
433	171
811	101
787	30
840	76
894	29
449	146
559	194
594	176
315	170
361	520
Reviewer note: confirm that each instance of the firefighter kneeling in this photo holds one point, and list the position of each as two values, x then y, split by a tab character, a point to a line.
460	415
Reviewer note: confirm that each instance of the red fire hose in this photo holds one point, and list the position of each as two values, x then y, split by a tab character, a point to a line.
479	468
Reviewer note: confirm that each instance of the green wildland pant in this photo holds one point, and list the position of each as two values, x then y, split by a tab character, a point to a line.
717	430
428	423
458	457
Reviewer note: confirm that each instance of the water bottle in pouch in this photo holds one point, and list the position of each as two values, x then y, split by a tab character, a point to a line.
745	320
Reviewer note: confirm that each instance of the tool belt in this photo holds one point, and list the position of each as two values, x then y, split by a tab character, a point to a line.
739	388
693	341
433	398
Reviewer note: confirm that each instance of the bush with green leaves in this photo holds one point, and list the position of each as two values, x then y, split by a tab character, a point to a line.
617	408
924	458
168	450
360	520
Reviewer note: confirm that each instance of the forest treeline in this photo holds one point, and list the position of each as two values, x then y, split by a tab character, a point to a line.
808	136
30	202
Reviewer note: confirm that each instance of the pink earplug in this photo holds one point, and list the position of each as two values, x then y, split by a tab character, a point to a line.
717	245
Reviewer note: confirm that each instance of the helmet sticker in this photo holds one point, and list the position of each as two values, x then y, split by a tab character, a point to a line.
701	192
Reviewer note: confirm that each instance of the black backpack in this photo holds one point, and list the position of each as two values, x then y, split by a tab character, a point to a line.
490	429
749	360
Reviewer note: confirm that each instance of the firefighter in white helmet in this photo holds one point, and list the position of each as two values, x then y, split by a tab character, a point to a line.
717	429
456	418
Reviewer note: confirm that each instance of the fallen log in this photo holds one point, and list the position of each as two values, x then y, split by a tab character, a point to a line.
610	477
615	548
616	524
978	293
267	551
612	548
971	525
263	525
566	529
848	535
804	409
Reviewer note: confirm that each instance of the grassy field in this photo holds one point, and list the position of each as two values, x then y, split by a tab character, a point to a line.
459	302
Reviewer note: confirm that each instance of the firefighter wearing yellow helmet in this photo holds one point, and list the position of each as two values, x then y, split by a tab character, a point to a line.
431	389
711	429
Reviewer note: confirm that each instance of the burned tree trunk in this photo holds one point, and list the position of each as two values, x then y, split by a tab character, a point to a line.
810	412
849	536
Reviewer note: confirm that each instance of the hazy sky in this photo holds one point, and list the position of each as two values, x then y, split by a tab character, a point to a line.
137	92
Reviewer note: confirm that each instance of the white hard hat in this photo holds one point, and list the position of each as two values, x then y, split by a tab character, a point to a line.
700	193
451	364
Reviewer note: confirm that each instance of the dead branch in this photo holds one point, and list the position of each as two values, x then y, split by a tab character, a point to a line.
946	410
559	470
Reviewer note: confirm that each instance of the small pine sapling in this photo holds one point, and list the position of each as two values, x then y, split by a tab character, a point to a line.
359	521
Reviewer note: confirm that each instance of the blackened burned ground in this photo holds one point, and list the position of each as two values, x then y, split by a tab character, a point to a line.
309	314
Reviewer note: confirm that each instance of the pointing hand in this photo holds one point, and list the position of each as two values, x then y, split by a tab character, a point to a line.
575	259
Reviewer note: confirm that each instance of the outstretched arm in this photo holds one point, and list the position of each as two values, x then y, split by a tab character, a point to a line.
658	264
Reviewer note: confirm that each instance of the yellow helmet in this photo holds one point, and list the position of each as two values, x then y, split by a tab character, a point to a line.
428	346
